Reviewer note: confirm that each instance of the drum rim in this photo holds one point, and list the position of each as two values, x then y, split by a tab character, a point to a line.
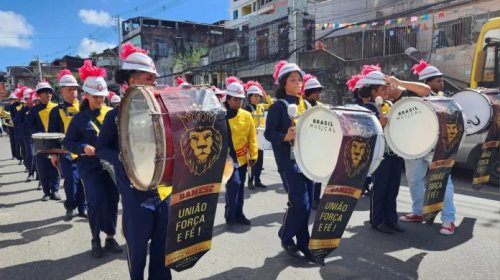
391	144
159	131
298	159
48	135
483	95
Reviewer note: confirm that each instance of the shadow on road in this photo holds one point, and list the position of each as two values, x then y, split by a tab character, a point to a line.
24	226
9	173
12	183
34	235
17	192
2	205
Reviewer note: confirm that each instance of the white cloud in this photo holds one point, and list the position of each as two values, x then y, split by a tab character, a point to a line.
94	17
15	31
88	46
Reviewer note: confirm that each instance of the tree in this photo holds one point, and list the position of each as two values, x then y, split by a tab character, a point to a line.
192	59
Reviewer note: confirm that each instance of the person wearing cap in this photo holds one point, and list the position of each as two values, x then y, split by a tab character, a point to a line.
242	142
387	177
145	213
81	135
416	169
59	120
29	161
16	106
115	101
311	92
280	131
49	175
254	93
182	83
19	120
13	103
220	94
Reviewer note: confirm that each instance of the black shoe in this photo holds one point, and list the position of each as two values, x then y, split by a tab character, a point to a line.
70	214
96	251
45	197
250	185
244	221
83	214
315	205
39	187
383	228
230	222
20	162
292	250
55	196
260	185
396	227
308	256
112	246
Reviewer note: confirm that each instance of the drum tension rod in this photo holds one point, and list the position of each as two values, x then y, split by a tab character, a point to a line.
163	158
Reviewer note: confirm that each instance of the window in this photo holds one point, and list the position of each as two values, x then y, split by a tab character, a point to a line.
246	10
235	14
452	33
262	44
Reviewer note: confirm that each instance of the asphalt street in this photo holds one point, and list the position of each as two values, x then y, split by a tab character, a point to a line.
37	243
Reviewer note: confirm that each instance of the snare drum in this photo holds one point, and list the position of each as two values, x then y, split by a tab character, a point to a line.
477	108
412	129
262	142
145	135
48	143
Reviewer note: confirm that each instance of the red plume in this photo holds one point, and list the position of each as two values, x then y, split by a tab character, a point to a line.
20	91
87	70
351	84
128	49
417	68
233	79
253	83
110	95
277	69
306	78
370	68
180	80
63	73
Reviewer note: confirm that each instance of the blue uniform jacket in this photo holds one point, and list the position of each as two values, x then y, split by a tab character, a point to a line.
277	124
81	132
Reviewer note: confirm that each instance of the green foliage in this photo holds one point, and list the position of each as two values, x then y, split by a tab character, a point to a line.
192	59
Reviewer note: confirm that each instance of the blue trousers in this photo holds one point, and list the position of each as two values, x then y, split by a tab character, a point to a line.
20	143
141	224
316	191
257	168
29	160
102	199
13	145
295	222
386	181
48	174
235	194
73	188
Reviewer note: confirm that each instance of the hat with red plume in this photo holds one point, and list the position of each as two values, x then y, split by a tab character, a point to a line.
354	82
135	58
283	67
424	70
181	82
253	87
66	79
234	87
311	82
93	77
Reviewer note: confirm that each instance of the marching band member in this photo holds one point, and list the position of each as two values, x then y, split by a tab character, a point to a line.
242	144
59	119
220	94
49	176
311	92
182	83
20	119
12	137
115	101
254	93
27	140
81	136
280	131
143	220
416	169
14	108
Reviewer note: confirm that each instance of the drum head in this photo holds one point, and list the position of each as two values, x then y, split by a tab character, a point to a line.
47	135
317	144
142	137
477	109
412	129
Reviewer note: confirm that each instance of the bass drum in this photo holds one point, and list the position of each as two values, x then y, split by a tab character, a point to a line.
262	142
317	143
477	108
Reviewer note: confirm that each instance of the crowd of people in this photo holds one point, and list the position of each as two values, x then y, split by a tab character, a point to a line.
91	139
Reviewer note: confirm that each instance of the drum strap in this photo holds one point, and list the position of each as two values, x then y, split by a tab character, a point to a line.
96	125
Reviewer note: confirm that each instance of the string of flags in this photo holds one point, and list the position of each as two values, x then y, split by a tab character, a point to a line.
414	21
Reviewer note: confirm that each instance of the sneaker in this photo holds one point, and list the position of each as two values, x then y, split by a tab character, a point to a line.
410	217
20	162
383	229
70	214
96	250
112	246
250	185
30	178
260	185
83	214
292	250
447	228
45	197
244	221
55	196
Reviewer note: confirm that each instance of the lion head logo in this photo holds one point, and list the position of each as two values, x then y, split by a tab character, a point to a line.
201	144
356	156
451	132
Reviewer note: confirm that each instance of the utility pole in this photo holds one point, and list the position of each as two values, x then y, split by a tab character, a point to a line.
40	76
295	19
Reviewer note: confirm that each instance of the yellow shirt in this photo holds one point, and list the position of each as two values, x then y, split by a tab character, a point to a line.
258	114
244	136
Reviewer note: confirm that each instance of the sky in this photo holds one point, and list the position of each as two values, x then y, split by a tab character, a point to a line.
51	29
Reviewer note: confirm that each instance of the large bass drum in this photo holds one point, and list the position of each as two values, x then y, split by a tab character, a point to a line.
477	108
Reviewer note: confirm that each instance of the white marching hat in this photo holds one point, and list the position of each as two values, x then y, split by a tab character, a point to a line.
234	87
283	67
95	86
372	78
425	70
115	99
66	79
312	83
26	94
254	90
136	59
43	85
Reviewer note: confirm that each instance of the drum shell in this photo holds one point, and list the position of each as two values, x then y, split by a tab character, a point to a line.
477	109
262	142
48	143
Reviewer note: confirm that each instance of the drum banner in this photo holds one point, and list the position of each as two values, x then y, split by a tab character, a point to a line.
490	149
200	150
451	131
345	185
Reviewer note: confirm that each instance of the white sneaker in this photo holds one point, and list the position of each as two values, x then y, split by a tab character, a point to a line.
447	228
30	178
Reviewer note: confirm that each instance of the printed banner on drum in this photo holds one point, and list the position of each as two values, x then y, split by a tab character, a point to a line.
485	170
451	131
200	145
345	185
